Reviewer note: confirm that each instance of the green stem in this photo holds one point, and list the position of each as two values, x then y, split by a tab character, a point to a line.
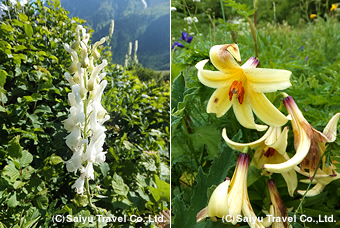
89	198
279	96
309	186
88	193
225	25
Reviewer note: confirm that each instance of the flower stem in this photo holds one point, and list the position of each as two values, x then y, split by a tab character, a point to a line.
223	15
89	198
309	186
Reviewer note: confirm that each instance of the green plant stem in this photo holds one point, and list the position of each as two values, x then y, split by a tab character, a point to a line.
309	186
225	25
282	94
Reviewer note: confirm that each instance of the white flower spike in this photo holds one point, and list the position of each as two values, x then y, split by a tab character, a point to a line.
87	115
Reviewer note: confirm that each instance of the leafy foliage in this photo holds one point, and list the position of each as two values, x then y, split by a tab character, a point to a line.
200	157
34	184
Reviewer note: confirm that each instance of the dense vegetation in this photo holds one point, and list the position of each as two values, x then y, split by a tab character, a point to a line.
34	183
287	38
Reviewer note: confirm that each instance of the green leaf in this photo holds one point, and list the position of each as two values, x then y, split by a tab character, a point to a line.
11	171
12	201
162	192
6	27
177	91
14	149
41	201
26	158
31	223
18	184
19	48
23	17
104	168
28	30
206	138
55	160
119	186
218	172
3	75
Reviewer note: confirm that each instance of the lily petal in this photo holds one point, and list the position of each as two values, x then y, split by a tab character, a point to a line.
301	152
330	129
223	59
244	114
266	111
218	203
267	80
249	213
219	102
281	142
317	189
291	181
240	146
214	79
236	193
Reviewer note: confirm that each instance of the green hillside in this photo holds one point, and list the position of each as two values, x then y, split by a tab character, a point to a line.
150	26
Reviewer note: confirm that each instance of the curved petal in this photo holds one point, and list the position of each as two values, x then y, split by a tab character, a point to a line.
330	130
267	80
240	146
248	211
214	79
219	102
218	202
317	189
301	152
319	173
237	187
291	181
280	145
244	114
222	59
266	111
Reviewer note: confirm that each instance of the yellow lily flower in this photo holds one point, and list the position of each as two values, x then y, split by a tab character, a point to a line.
242	87
309	143
230	198
278	207
270	149
333	7
312	16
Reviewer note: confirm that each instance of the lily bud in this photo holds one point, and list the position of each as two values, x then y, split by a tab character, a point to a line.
218	203
280	210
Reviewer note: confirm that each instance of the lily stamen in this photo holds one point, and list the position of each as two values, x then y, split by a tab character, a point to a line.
236	88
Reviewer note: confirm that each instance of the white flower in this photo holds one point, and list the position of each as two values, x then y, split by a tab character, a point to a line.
74	163
188	20
87	115
89	172
73	139
95	53
93	84
173	8
79	184
195	19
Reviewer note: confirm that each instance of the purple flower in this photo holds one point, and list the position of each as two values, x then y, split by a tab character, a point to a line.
186	38
178	44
